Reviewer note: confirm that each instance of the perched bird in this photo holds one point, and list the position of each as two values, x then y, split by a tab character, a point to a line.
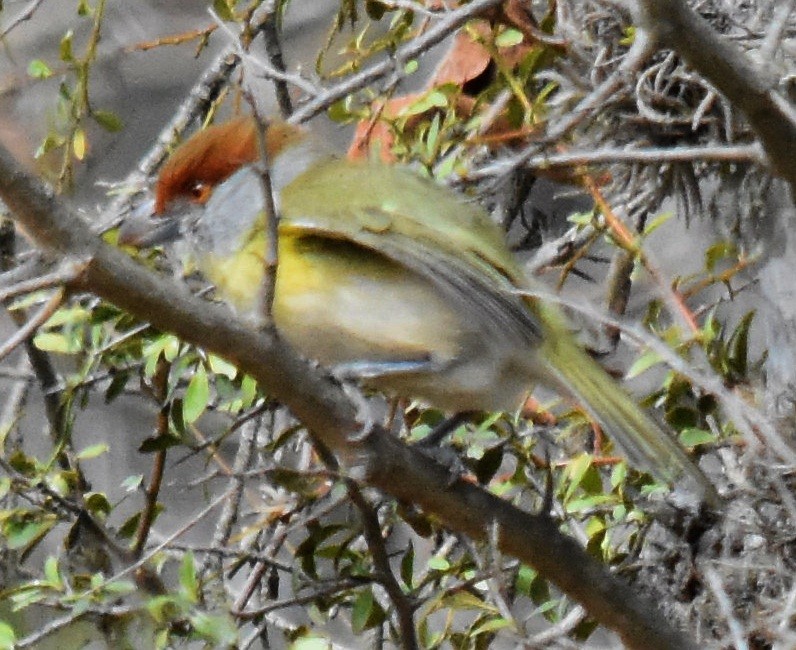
388	277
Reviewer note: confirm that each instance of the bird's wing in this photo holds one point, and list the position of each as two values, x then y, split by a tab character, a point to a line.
422	226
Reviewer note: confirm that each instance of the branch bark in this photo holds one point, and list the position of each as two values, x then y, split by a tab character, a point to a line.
750	87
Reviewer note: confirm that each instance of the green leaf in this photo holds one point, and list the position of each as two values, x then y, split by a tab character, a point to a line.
576	471
224	9
7	636
38	69
643	363
360	613
438	563
188	582
21	533
408	565
411	66
93	451
108	120
158	443
221	366
657	222
54	342
693	436
431	99
97	503
312	642
196	396
717	252
217	629
509	37
65	48
738	346
132	483
79	144
117	386
491	625
51	572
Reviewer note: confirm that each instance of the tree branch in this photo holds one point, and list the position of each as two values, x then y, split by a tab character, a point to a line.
749	87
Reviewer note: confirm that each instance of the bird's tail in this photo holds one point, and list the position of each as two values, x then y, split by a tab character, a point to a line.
645	443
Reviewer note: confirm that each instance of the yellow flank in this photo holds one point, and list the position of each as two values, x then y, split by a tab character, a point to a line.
337	301
235	275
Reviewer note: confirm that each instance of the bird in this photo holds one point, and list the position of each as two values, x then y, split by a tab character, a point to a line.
386	276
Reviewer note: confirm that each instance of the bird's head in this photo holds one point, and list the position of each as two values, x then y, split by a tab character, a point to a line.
202	165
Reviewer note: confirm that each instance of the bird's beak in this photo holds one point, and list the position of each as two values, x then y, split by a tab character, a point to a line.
143	228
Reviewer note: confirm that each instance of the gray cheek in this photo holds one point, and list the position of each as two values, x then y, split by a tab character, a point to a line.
230	213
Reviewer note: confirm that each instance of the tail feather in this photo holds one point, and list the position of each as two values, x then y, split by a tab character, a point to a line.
644	442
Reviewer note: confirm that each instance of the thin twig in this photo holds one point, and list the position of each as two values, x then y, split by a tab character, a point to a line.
371	530
273	48
56	278
160	390
21	17
34	323
716	585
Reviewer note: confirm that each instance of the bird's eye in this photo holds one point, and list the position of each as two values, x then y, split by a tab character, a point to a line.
199	192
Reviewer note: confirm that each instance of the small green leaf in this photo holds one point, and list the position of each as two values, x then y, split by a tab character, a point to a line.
360	613
643	363
411	66
93	451
657	222
79	144
154	444
407	566
431	99
53	342
132	483
188	582
717	252
97	503
438	563
108	120
629	37
217	629
51	572
509	38
38	69
491	625
65	49
7	636
311	643
693	436
221	366
224	10
22	534
196	396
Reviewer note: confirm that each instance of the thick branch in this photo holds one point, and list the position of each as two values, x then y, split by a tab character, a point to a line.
378	458
747	86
